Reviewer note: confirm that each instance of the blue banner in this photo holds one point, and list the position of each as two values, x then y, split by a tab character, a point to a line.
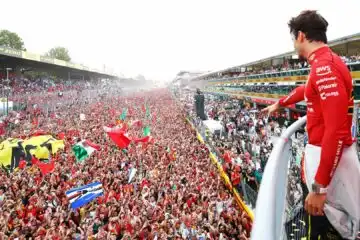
80	196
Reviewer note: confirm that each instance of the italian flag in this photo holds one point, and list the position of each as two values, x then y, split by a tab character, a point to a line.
83	149
123	114
146	131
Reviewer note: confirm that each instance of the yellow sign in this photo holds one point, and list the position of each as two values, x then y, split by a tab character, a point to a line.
355	75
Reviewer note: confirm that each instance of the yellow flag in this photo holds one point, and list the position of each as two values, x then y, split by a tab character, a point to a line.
7	149
37	146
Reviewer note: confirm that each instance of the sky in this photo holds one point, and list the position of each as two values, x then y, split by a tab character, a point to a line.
159	38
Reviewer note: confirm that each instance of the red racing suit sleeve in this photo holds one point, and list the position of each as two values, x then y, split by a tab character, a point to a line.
297	95
330	86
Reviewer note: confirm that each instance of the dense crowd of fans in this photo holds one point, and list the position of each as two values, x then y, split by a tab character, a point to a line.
170	197
245	143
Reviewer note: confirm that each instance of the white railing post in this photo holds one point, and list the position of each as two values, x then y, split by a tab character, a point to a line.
270	204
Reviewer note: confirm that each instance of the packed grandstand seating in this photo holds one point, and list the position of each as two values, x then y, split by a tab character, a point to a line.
158	186
287	67
271	89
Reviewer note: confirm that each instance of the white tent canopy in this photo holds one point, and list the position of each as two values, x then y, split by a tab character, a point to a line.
213	125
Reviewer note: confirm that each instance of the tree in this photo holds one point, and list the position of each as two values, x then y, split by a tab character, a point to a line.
11	40
60	53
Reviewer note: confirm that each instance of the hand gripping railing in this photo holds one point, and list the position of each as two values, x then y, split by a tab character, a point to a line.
270	204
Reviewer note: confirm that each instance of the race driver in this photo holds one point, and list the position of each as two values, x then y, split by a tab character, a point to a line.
328	93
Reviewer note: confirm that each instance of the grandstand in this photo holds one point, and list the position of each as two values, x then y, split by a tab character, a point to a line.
183	78
16	67
20	61
263	82
281	70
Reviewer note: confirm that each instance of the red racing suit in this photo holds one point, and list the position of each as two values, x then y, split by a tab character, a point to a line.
328	93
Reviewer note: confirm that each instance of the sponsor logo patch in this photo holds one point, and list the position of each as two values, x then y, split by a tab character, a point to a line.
324	87
323	70
325	80
323	95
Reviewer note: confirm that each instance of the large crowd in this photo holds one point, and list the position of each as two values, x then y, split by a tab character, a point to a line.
172	196
245	143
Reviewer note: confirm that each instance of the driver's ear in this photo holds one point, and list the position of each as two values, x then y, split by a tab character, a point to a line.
301	36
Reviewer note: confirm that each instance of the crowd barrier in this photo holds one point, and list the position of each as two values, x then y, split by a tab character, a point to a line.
216	159
271	202
249	195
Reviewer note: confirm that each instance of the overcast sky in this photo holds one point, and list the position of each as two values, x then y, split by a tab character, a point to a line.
158	38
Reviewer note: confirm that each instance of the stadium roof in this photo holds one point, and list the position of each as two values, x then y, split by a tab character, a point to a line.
39	60
333	43
186	75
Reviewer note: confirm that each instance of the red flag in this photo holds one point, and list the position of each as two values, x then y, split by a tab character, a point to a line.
34	160
22	164
61	136
93	145
46	168
143	139
118	136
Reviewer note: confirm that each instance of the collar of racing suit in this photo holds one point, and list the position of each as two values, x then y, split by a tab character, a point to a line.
314	55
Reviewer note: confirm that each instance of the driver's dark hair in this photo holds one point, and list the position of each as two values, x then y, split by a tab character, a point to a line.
312	24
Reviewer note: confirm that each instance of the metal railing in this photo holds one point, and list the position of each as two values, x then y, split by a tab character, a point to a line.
272	195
